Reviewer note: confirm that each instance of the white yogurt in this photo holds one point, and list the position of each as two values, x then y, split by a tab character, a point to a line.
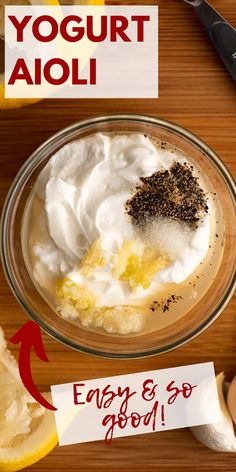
84	188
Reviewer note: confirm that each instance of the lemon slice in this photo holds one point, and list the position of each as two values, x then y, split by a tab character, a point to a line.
6	103
15	102
3	3
27	430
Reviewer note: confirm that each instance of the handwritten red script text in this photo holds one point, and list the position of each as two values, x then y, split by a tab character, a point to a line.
104	398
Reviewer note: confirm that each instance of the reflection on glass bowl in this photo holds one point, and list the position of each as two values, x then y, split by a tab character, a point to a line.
166	332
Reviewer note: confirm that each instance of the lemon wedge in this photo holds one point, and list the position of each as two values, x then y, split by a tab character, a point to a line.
7	103
3	3
27	430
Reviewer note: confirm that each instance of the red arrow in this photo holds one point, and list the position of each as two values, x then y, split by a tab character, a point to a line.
30	337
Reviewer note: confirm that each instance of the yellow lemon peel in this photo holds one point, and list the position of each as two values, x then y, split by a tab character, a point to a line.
28	431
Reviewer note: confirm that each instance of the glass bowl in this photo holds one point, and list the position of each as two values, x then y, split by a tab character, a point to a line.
188	326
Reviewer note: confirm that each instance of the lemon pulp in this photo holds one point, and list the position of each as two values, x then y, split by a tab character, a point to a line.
27	430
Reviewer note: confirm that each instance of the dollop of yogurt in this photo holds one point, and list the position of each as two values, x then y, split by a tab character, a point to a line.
83	190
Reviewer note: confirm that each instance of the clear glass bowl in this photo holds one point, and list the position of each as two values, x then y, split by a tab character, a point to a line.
186	328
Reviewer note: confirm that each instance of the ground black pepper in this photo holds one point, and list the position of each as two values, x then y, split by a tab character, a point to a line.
174	194
164	304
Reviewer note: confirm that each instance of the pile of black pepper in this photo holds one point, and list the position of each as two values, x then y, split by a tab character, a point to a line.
174	194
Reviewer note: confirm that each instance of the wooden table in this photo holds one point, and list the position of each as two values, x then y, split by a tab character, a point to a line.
195	92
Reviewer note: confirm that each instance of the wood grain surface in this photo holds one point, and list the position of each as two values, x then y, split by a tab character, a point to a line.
197	93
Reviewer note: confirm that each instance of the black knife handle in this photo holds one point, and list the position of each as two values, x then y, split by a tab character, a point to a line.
221	33
224	40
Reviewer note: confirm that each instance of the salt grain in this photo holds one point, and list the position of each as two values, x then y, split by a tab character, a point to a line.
170	237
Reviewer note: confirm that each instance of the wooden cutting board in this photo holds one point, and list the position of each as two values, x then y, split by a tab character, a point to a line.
197	93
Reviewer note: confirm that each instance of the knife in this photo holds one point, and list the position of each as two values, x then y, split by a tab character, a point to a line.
220	32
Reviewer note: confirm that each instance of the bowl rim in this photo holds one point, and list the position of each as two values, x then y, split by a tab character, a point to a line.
29	164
